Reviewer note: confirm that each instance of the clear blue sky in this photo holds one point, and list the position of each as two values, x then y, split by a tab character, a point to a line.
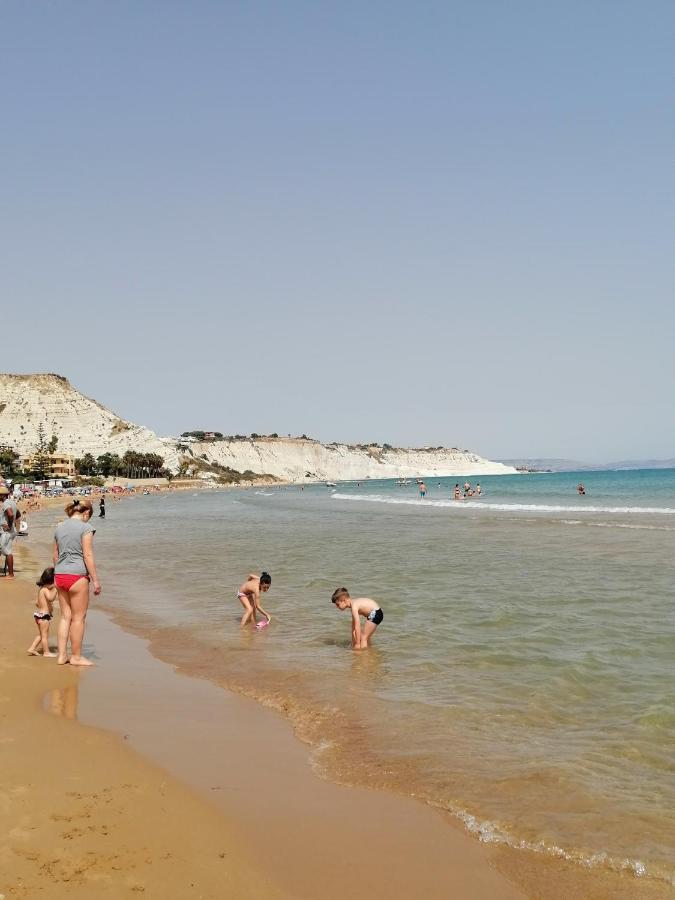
421	223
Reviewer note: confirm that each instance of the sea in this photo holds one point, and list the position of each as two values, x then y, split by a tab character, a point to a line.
523	678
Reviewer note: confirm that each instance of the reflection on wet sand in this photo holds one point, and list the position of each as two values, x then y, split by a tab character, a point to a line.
63	701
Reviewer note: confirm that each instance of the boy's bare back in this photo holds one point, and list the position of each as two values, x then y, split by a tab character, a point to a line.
363	606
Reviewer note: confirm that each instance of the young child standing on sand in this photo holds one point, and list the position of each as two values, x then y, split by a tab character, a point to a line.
249	597
361	606
44	608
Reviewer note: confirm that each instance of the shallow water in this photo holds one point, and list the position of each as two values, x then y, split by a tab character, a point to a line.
523	677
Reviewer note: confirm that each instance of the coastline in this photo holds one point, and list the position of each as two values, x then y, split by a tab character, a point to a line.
134	822
81	811
274	793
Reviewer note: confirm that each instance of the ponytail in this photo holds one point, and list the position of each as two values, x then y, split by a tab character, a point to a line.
78	506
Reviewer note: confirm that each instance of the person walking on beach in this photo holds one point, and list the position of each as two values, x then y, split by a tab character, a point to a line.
101	508
249	597
44	609
7	549
10	518
361	606
74	566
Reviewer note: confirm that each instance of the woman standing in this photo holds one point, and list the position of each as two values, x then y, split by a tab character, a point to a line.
74	566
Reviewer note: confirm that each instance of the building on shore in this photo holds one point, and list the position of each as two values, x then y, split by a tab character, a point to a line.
60	465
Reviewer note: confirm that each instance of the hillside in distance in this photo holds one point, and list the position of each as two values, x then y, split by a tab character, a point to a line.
82	425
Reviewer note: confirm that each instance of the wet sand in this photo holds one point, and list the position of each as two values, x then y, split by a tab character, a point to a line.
228	806
83	815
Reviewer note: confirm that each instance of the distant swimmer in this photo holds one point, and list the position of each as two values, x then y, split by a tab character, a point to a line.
457	493
478	490
581	490
423	489
249	597
361	606
467	486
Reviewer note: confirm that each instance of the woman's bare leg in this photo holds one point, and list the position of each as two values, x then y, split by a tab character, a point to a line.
63	631
79	604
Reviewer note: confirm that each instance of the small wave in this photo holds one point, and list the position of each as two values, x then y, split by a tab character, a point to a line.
510	507
618	525
491	833
265	493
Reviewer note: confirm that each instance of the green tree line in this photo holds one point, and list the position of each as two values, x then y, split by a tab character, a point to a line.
131	465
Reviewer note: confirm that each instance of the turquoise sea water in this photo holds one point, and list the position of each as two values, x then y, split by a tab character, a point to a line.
523	677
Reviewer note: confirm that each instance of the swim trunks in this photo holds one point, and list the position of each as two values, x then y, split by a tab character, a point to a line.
46	617
375	616
65	582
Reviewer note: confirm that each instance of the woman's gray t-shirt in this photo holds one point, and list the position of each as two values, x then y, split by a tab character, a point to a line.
68	537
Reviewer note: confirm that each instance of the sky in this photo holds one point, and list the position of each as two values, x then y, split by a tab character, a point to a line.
434	223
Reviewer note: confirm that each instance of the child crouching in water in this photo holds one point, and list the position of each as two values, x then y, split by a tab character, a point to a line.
249	597
44	606
361	606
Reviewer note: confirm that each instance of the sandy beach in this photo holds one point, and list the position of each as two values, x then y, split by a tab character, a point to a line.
82	810
132	778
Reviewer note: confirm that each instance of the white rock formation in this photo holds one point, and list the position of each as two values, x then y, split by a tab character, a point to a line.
296	459
84	426
80	424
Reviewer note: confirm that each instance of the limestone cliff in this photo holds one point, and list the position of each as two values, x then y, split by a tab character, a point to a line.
82	425
297	459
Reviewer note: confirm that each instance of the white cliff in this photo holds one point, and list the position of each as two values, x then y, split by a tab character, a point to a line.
296	459
82	425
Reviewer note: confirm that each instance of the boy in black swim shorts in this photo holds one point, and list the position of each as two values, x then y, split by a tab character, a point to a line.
361	606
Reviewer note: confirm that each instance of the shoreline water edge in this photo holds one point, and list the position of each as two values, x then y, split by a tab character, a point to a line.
109	697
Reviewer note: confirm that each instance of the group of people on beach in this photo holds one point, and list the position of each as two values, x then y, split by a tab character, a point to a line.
73	570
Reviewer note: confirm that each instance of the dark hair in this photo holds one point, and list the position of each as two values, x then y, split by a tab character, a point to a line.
339	594
265	578
46	578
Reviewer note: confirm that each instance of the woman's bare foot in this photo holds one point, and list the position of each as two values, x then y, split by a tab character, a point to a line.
49	655
81	661
62	660
34	653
